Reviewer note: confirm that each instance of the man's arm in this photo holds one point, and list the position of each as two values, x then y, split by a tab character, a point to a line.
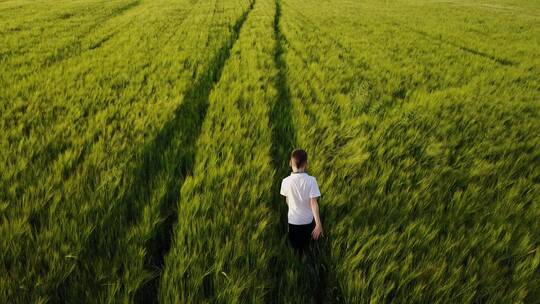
318	231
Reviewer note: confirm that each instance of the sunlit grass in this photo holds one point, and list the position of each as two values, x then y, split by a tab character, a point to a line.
142	142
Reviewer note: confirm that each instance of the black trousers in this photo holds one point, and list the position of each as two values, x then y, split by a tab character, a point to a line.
300	236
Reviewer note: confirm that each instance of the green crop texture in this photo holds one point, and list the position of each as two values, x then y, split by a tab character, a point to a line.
143	144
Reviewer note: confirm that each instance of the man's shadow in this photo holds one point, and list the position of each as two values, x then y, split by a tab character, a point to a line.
309	277
319	270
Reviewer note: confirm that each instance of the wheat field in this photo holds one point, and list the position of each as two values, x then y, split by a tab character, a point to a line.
144	141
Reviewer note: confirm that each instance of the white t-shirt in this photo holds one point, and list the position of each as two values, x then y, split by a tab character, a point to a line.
299	188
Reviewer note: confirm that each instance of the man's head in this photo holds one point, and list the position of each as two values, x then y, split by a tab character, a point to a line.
298	159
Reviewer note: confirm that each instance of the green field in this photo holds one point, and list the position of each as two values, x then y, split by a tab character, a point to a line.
143	143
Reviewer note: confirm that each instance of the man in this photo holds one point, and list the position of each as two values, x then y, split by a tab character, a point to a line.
301	192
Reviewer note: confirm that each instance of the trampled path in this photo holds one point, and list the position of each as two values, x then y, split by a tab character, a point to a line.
283	142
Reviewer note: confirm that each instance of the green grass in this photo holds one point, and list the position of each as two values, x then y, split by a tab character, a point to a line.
143	143
427	149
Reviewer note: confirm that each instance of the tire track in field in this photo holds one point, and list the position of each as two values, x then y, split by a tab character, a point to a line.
471	51
175	141
67	51
345	52
67	13
496	59
283	129
72	50
187	123
51	154
284	140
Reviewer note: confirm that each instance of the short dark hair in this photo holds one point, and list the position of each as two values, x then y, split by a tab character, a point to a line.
299	157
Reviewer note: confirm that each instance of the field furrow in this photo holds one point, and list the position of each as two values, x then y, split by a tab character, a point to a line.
174	149
283	141
26	52
298	283
226	231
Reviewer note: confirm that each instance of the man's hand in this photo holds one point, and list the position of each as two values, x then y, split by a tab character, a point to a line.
318	225
318	231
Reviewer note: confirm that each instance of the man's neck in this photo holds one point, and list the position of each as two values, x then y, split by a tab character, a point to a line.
302	170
